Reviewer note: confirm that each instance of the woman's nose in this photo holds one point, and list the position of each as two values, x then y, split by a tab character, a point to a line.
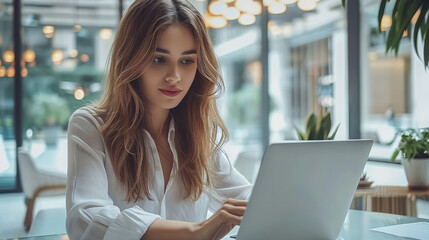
173	75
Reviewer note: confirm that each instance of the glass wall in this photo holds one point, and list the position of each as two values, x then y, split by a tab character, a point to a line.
64	51
65	46
393	95
7	72
301	59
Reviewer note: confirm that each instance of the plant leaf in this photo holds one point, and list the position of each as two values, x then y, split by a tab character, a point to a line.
334	133
420	19
326	125
401	17
301	134
311	124
344	3
381	13
394	155
426	49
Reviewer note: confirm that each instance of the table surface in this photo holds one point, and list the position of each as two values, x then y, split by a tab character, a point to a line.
357	226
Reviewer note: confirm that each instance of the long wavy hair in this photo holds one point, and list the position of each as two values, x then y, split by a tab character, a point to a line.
200	132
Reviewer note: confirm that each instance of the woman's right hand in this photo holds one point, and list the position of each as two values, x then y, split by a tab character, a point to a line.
223	221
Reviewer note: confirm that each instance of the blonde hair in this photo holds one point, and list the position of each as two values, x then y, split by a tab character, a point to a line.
123	110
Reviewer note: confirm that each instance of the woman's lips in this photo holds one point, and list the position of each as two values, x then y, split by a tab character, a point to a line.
171	92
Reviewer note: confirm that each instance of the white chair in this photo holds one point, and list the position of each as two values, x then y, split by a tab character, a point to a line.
49	221
37	182
4	163
247	164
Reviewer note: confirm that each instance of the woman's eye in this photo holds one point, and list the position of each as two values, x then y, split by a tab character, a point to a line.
158	60
187	61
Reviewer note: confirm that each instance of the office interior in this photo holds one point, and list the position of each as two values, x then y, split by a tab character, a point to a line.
279	62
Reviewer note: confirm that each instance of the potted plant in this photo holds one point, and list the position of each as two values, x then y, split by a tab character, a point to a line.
317	127
414	148
50	113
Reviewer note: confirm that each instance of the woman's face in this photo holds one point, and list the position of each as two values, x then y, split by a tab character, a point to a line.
173	69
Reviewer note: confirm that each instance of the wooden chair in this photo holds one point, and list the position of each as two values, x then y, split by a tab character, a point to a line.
37	182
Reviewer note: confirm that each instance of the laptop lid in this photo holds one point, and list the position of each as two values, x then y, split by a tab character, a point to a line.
304	189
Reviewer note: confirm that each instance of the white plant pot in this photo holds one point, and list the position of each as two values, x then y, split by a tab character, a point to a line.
417	172
51	135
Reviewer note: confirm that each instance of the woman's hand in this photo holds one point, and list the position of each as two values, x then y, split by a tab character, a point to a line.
224	220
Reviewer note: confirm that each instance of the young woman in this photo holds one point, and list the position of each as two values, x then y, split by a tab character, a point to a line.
146	162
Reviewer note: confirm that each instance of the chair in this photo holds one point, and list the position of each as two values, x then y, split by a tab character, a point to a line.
4	163
37	182
49	221
247	164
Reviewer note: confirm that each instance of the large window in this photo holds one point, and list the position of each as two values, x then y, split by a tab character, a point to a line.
65	45
393	95
7	72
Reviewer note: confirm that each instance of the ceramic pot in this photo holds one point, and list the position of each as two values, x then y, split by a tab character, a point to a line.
51	135
417	172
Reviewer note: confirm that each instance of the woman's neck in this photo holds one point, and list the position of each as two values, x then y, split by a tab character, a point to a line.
158	123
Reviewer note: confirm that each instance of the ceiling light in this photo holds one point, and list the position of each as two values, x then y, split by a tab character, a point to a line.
288	1
386	22
73	53
307	5
268	2
77	28
79	94
24	72
8	56
48	29
231	13
276	8
10	72
217	21
217	8
246	19
254	8
106	33
2	71
57	56
29	55
84	57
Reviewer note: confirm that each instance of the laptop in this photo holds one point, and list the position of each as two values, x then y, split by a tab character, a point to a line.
304	189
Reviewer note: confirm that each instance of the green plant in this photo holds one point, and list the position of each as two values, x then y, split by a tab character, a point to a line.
414	143
402	13
49	110
317	127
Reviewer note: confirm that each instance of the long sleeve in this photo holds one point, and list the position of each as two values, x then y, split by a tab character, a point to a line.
91	213
229	183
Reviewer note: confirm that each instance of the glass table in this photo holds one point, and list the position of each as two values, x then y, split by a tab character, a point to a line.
357	226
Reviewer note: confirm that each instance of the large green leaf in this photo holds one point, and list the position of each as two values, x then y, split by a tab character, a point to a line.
326	125
381	13
301	134
420	20
334	133
426	49
402	14
311	124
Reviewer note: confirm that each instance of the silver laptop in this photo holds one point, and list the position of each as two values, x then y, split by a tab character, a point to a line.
304	189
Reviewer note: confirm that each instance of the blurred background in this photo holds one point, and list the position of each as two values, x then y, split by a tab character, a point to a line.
280	59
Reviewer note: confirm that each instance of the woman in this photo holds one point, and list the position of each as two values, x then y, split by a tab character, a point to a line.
145	162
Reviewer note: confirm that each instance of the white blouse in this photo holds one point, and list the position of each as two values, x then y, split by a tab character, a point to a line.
96	208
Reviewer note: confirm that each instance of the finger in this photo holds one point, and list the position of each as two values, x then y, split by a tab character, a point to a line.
230	218
236	210
236	202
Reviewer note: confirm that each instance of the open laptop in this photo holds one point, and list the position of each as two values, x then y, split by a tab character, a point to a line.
304	190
